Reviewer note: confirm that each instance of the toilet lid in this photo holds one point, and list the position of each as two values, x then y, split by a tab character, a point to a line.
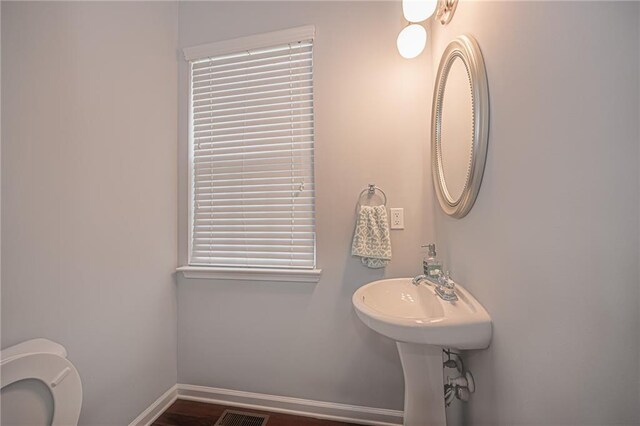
52	369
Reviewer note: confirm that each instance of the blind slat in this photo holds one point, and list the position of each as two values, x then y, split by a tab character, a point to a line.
255	234
231	181
250	263
286	120
250	72
206	142
236	210
255	189
243	57
249	61
279	161
208	112
300	125
221	96
251	121
251	82
254	214
255	149
255	100
238	119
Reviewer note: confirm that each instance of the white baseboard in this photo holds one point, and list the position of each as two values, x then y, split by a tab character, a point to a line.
288	405
149	415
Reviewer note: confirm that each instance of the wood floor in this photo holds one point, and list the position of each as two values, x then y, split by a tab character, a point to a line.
190	413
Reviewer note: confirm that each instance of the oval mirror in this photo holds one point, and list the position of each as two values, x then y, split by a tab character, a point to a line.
459	126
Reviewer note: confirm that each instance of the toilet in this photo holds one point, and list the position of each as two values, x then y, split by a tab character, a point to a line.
45	361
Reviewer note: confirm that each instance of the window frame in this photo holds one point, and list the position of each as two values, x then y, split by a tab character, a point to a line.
244	272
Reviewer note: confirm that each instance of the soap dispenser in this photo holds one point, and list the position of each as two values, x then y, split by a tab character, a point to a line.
432	267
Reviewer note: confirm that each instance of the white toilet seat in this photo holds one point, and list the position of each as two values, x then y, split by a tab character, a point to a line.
46	361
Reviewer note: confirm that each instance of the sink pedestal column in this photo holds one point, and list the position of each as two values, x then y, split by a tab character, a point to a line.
423	385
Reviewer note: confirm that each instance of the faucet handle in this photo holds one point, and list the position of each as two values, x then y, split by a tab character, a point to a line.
443	279
448	282
450	288
445	288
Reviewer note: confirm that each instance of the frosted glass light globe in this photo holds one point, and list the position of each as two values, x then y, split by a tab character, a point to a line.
411	41
418	10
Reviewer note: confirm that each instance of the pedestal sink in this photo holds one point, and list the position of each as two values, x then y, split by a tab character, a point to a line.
422	324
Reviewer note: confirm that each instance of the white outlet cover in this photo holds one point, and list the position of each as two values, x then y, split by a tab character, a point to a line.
397	218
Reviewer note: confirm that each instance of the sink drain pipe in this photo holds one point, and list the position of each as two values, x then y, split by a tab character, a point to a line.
462	385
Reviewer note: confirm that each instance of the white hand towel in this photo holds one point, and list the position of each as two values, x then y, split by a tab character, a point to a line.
371	239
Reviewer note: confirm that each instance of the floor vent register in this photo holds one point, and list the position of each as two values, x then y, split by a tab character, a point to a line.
241	418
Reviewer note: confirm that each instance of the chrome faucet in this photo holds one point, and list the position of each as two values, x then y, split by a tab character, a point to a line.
444	286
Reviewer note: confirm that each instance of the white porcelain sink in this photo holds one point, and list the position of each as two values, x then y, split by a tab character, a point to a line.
415	314
422	324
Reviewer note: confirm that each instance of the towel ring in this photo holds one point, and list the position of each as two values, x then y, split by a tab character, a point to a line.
370	192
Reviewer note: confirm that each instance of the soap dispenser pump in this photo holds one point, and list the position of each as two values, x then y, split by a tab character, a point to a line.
431	266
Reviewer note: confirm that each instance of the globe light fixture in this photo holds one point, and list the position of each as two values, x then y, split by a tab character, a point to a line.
411	41
418	10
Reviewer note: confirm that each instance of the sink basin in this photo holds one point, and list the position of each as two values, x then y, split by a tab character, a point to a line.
415	314
422	324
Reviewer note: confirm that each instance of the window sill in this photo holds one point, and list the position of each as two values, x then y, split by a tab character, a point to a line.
251	274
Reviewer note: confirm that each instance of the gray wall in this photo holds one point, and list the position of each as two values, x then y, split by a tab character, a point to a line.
551	246
89	174
372	110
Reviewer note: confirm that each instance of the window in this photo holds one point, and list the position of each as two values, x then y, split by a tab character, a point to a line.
252	202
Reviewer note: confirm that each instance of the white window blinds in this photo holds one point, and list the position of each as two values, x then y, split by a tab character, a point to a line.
252	142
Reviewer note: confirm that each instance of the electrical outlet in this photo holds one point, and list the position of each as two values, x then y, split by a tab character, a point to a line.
397	218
